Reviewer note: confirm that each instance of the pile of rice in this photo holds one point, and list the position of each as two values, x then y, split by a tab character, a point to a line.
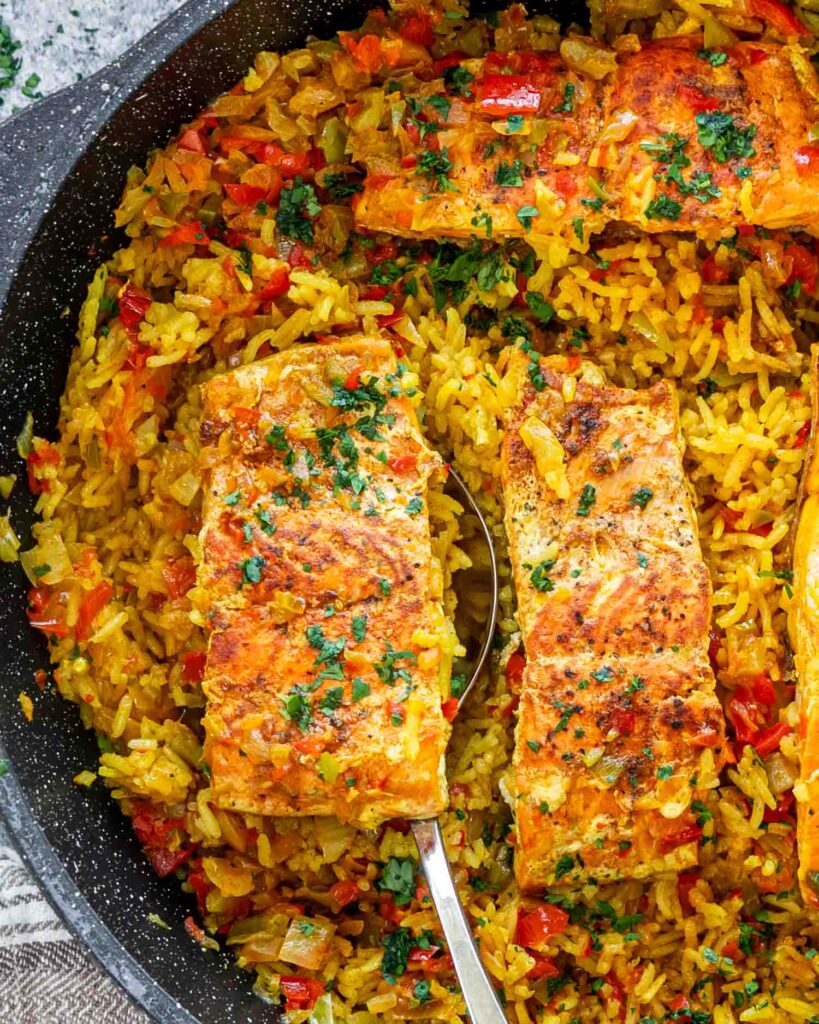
115	556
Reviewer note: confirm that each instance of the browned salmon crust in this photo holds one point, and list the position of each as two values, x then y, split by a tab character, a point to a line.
618	718
627	148
326	668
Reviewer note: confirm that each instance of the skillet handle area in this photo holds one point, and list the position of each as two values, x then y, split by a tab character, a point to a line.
481	998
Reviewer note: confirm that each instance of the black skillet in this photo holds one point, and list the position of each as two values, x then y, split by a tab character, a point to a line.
62	165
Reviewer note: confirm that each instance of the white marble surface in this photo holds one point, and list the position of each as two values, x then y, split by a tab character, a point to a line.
63	40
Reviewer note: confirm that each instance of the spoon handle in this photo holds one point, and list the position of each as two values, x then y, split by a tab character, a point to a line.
481	999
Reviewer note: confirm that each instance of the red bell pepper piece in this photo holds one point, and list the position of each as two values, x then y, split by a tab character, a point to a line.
300	993
402	463
804	266
155	834
449	61
352	380
449	708
133	305
712	272
769	739
566	184
802	435
508	94
514	668
90	607
539	925
192	233
685	835
762	690
544	967
780	17
345	892
245	195
806	159
193	666
192	141
696	99
179	576
417	28
784	810
278	283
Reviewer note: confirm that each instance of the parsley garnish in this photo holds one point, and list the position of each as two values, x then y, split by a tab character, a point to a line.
398	877
341	187
252	569
588	498
360	690
435	166
525	215
397	947
719	133
543	310
297	205
297	709
567	106
663	208
509	175
359	627
564	865
641	497
539	579
716	58
457	79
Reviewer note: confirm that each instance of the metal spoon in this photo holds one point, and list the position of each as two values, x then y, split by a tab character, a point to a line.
479	993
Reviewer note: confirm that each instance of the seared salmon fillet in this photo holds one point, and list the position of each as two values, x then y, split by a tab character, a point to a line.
326	666
618	712
803	625
665	141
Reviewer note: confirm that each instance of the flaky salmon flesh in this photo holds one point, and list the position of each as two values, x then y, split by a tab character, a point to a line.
619	727
522	145
327	661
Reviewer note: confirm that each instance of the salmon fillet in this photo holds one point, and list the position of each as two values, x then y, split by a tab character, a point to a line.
326	664
618	720
667	141
803	625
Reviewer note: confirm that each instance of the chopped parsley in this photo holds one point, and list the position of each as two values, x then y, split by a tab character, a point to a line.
414	506
359	627
509	175
567	106
525	215
588	498
385	587
641	497
398	877
514	123
386	272
251	569
541	309
297	205
360	690
716	58
665	771
720	133
232	498
421	992
457	79
341	187
564	865
397	947
435	167
331	700
663	208
386	669
533	745
297	709
265	522
539	578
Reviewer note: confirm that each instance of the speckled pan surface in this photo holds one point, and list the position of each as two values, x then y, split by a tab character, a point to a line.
62	164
